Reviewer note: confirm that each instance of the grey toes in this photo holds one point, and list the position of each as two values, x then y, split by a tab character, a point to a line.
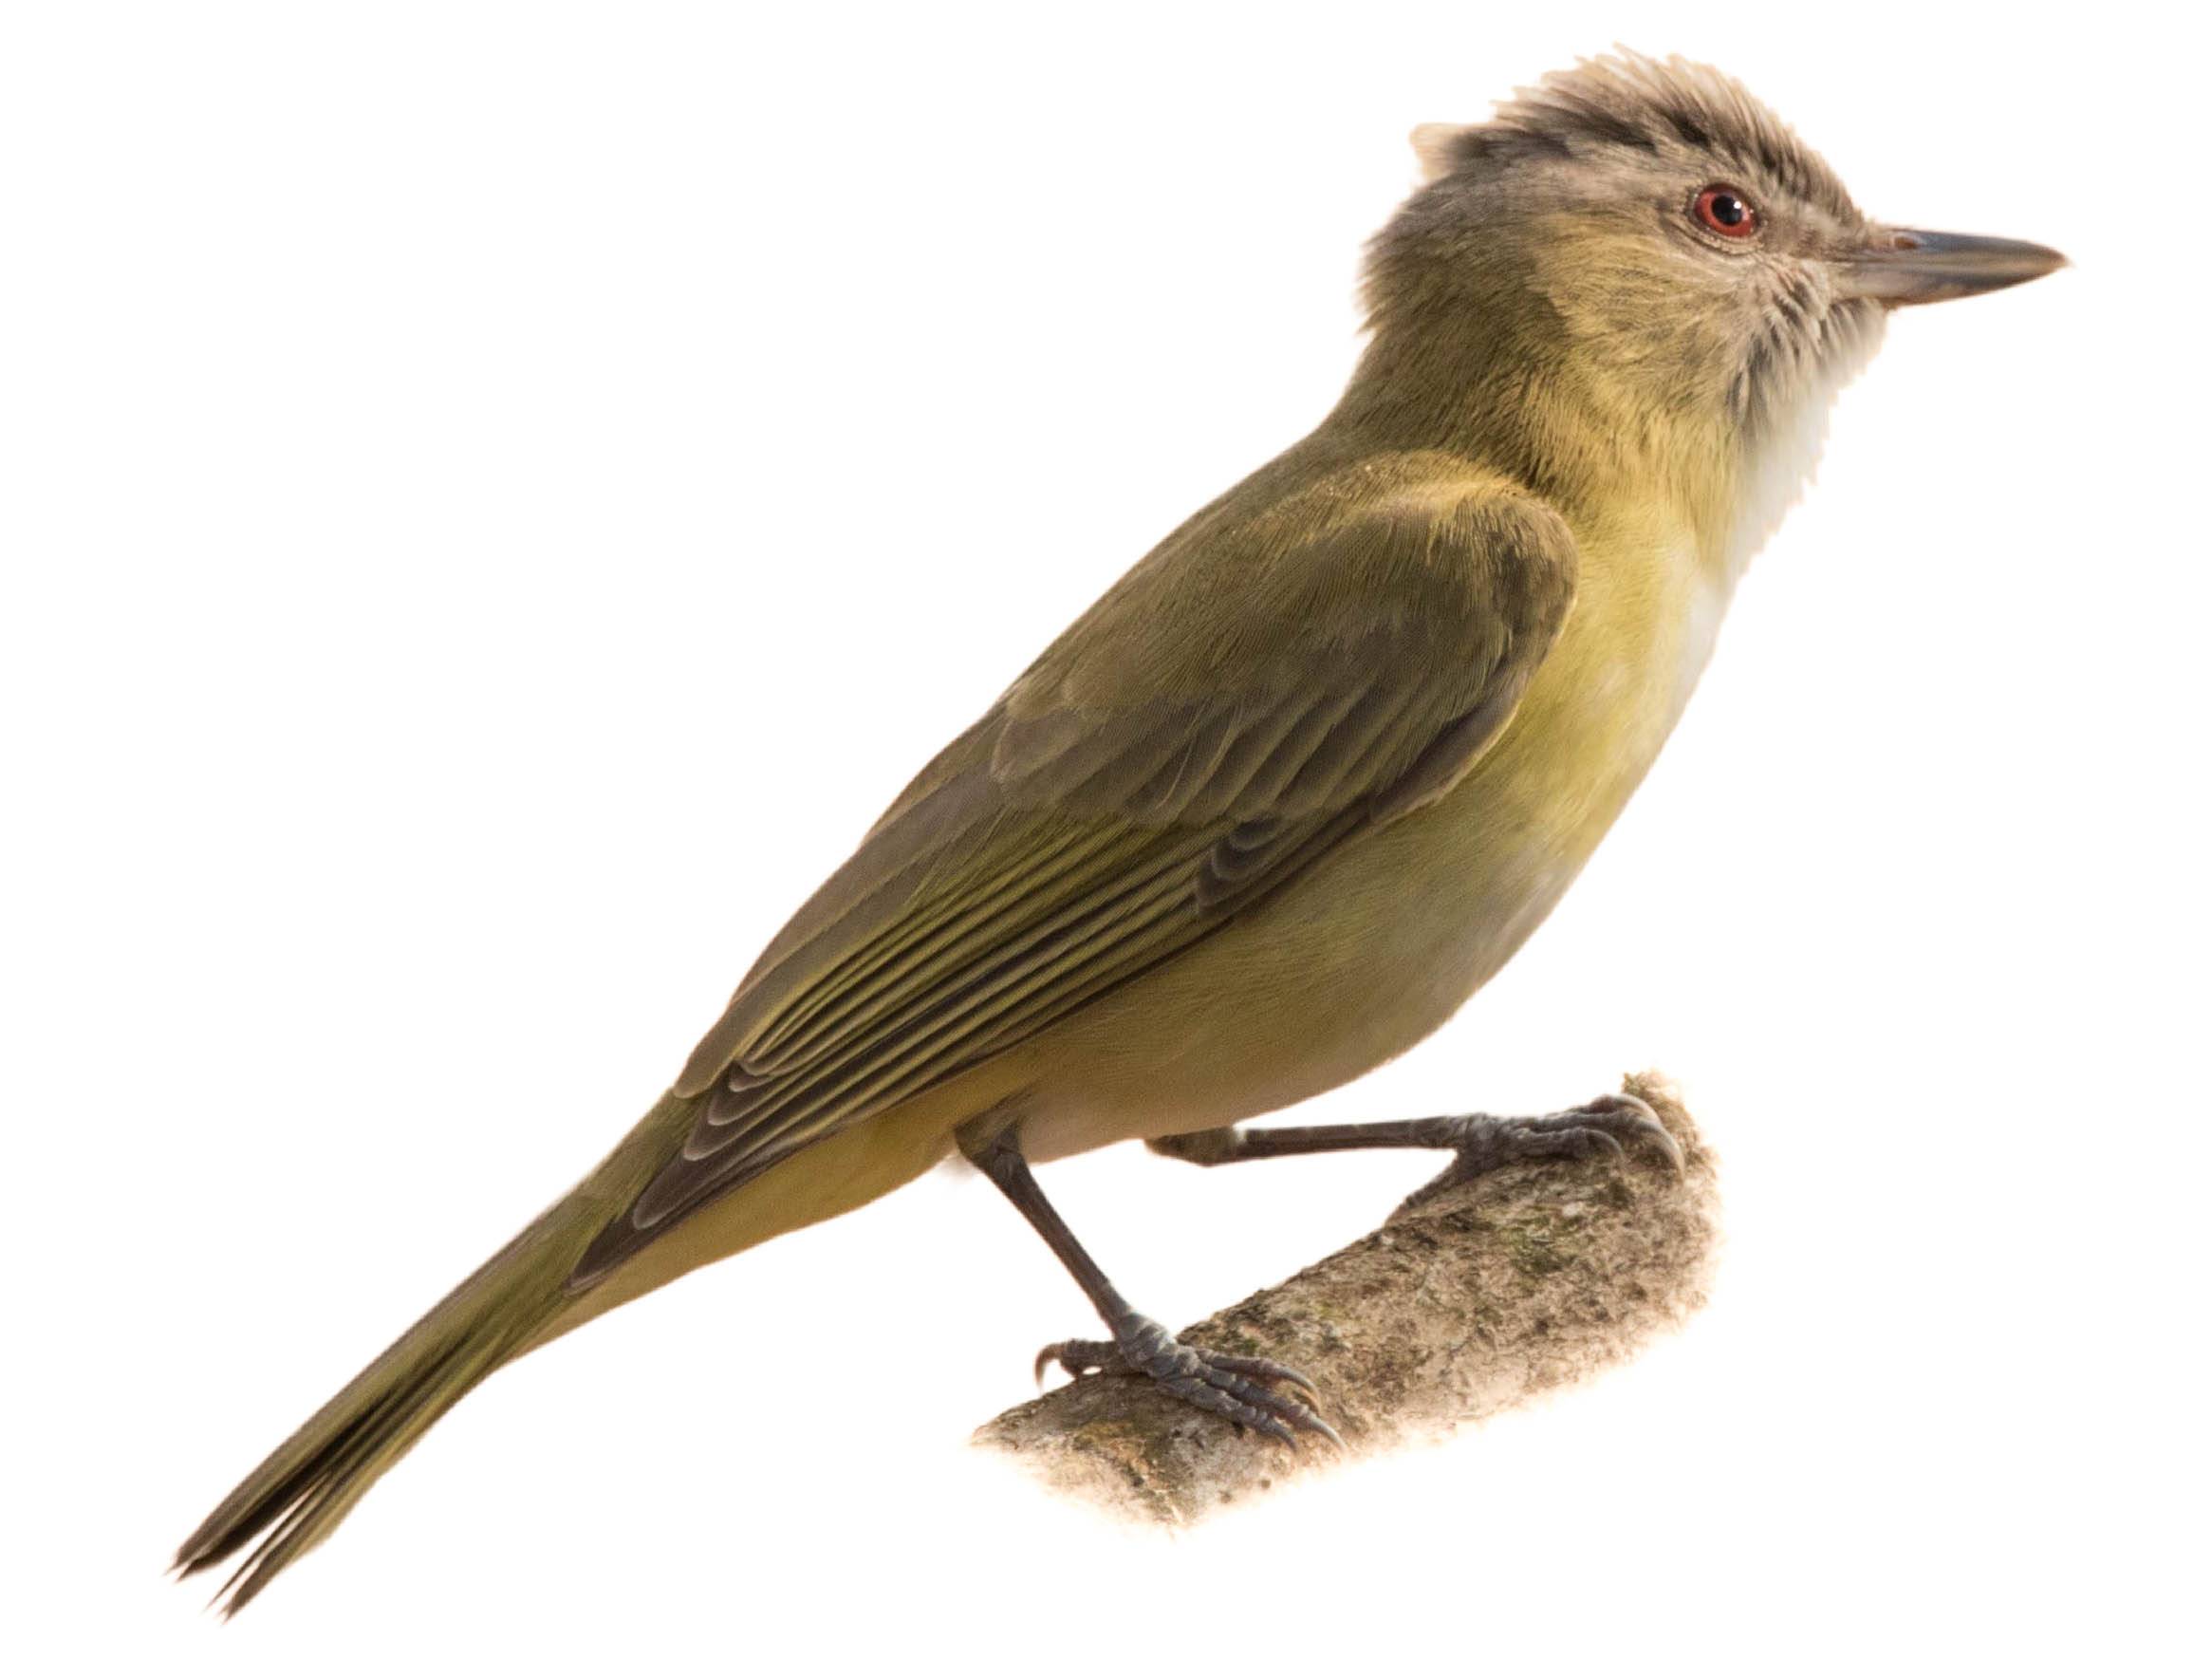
1625	1120
1252	1391
1609	1126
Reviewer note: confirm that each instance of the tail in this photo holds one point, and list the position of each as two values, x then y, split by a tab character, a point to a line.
307	1486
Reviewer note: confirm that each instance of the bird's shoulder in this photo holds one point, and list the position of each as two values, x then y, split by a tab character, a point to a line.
1321	567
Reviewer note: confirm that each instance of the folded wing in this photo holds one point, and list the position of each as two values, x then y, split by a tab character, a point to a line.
1242	702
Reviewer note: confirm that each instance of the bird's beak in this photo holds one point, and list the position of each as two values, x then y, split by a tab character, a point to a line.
1910	267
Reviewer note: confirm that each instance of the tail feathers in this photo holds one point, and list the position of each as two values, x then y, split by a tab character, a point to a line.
307	1486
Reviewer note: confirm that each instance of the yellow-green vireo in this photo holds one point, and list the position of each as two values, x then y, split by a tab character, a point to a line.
1296	787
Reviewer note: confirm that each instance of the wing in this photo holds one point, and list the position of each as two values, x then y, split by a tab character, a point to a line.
1249	697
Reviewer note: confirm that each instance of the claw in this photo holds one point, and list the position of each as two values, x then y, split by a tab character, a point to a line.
1605	1127
1289	1378
1606	1144
1077	1356
1630	1104
1655	1133
1249	1389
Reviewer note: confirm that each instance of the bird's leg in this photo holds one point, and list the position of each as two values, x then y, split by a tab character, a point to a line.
1476	1141
1254	1392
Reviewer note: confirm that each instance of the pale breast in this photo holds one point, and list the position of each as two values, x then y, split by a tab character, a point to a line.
1379	945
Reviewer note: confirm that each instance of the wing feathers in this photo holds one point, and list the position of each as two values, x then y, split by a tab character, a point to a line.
1064	927
936	937
1267	684
1048	967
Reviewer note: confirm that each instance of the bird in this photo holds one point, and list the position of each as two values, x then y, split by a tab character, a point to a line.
1294	789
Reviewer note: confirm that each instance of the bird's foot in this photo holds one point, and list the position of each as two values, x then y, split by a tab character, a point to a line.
1606	1128
1249	1391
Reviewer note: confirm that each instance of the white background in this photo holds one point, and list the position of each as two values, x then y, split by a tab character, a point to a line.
494	499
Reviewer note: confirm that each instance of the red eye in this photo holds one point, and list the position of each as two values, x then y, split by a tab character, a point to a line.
1726	212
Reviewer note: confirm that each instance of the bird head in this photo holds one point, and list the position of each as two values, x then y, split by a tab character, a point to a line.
1652	232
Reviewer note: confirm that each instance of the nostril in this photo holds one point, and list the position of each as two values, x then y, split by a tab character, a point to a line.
1902	242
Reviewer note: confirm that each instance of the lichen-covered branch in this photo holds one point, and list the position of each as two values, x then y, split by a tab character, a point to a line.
1524	1279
